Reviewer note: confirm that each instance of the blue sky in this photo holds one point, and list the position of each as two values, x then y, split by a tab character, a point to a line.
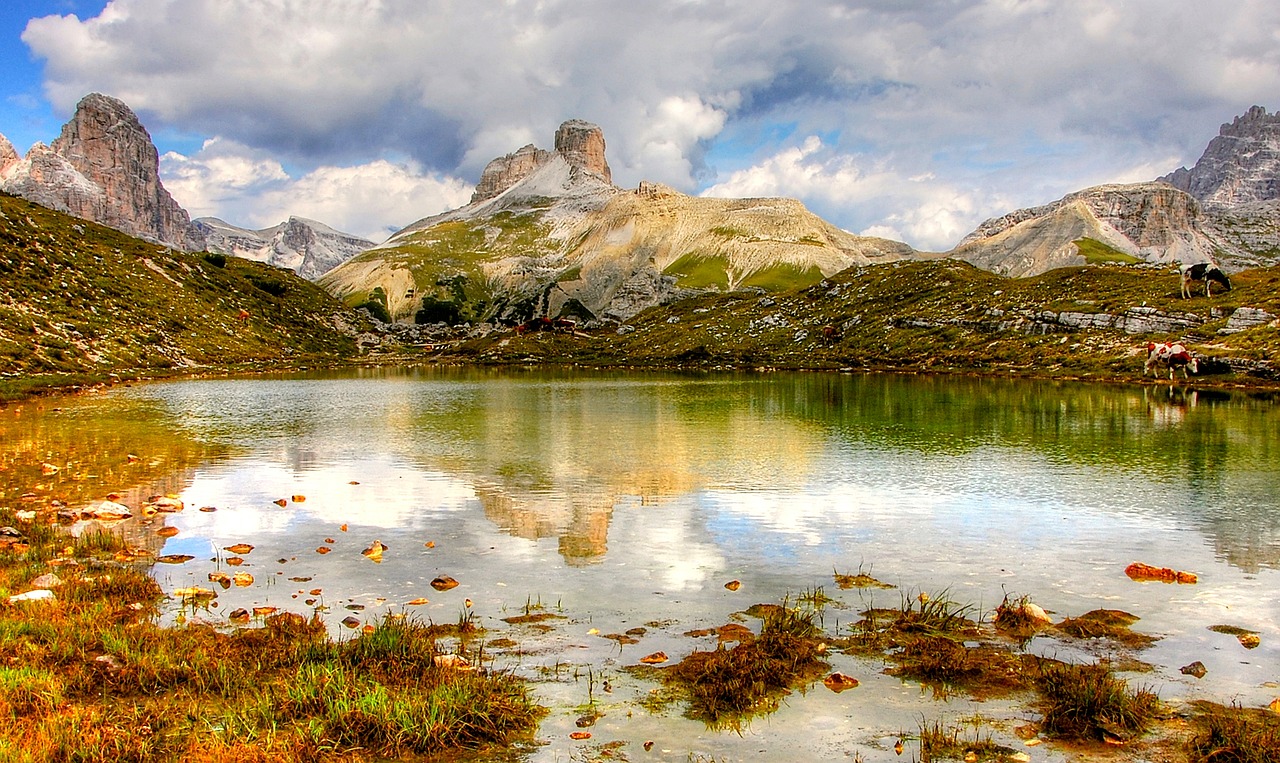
910	119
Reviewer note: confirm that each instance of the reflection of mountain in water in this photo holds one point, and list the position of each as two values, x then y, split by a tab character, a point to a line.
554	459
95	446
552	454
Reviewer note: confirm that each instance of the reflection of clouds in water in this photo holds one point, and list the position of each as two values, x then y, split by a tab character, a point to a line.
668	542
810	516
389	495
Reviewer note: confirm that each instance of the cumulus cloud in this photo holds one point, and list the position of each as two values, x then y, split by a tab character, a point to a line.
250	189
1017	99
922	210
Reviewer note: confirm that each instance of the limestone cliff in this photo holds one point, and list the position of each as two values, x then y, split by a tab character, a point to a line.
579	144
306	247
505	171
1149	222
8	156
548	234
582	146
1240	166
103	168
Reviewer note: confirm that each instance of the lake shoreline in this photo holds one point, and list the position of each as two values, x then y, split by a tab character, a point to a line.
12	392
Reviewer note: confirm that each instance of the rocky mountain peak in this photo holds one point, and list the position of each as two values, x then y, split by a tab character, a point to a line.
582	145
8	155
505	171
104	168
1240	166
306	247
579	143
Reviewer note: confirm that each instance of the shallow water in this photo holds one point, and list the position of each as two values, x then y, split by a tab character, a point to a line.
623	501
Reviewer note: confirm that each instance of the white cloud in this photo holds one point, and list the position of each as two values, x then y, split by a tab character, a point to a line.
249	189
921	210
998	99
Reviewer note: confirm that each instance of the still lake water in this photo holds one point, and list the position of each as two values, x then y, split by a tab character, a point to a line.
629	500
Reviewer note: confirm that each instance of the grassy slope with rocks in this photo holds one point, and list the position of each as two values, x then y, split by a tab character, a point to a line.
80	301
939	315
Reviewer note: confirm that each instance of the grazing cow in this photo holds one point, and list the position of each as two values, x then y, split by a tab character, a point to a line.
1203	271
1173	356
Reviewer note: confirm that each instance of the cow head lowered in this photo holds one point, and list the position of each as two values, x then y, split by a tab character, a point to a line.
1172	356
1208	272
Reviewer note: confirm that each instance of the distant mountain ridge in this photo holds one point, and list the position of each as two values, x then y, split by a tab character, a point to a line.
547	233
307	247
1226	208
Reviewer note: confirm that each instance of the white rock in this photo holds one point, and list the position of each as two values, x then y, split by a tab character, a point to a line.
40	594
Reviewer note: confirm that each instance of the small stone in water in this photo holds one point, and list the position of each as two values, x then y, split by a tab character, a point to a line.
444	583
1196	669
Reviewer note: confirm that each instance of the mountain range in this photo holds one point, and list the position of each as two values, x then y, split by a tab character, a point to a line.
306	247
548	233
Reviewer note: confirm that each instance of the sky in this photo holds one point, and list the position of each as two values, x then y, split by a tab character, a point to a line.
910	119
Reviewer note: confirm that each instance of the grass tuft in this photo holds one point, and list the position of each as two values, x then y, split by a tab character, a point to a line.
1089	702
728	686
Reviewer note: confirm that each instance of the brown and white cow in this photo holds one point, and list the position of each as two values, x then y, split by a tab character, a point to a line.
1172	356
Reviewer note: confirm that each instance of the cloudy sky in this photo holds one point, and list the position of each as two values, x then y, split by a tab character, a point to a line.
912	119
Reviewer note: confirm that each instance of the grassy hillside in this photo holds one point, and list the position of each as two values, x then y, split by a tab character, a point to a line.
78	299
941	315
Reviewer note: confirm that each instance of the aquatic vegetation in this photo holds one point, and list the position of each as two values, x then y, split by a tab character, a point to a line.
726	686
1089	702
89	675
1109	624
845	581
1234	735
941	743
1020	618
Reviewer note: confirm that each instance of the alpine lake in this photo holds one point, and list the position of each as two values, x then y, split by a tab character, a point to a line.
631	510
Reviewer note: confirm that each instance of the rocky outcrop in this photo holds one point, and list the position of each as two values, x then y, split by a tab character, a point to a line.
1152	222
104	168
580	144
1249	234
1240	166
304	246
8	156
505	171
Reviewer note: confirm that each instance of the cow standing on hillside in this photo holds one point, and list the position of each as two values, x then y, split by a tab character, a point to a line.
1203	271
1173	356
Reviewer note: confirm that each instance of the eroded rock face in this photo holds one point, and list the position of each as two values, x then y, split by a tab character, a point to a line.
1150	221
582	145
104	168
505	171
1240	166
8	155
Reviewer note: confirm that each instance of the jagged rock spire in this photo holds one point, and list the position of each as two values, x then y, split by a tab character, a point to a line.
579	143
104	168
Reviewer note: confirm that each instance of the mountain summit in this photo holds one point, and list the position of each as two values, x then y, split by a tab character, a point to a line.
547	234
1240	166
103	168
580	144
